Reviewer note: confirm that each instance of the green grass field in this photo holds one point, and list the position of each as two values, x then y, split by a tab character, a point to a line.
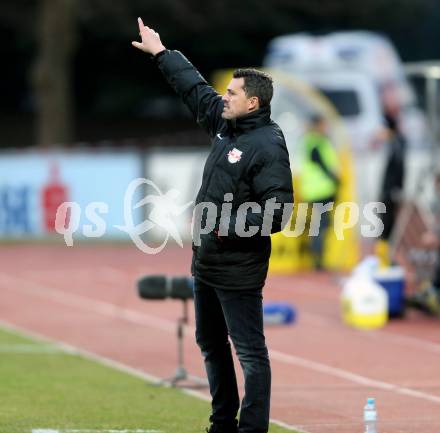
42	387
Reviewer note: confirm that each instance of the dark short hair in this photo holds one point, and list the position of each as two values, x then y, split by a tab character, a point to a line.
316	118
256	83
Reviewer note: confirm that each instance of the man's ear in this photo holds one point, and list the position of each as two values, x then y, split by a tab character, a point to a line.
254	103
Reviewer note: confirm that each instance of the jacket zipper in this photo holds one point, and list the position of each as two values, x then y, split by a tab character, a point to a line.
208	181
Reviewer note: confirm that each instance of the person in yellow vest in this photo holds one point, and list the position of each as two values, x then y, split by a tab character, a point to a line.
319	182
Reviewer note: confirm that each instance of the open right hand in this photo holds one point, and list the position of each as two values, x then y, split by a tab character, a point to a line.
151	42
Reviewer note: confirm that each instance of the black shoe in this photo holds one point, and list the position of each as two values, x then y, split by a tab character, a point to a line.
223	428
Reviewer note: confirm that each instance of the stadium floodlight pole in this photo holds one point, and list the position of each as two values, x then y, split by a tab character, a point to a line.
159	287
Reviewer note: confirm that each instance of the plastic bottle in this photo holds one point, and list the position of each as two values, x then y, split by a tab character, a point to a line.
364	303
370	416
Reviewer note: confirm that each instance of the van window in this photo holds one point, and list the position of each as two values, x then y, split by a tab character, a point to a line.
345	101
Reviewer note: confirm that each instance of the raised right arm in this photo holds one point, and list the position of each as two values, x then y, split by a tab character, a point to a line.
204	102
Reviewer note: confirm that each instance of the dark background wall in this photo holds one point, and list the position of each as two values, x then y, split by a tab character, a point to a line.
118	94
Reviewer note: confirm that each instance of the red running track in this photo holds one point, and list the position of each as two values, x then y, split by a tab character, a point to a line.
322	371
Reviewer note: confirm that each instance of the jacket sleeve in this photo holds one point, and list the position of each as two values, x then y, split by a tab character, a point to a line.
316	157
271	184
203	101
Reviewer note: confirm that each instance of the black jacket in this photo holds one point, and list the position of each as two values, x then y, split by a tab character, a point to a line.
249	159
394	174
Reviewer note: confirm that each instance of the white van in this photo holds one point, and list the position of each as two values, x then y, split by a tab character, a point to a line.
353	69
355	98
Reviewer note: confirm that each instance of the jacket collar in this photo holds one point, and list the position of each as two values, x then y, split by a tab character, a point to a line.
250	121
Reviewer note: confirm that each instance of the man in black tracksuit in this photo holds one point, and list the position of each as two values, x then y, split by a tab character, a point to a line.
246	182
394	176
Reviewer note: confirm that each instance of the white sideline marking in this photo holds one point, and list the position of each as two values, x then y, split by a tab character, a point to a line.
145	319
120	367
80	352
288	426
89	304
352	377
403	340
167	325
31	349
45	430
98	275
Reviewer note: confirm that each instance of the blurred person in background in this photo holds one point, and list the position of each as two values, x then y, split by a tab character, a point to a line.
427	298
392	185
319	180
248	162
